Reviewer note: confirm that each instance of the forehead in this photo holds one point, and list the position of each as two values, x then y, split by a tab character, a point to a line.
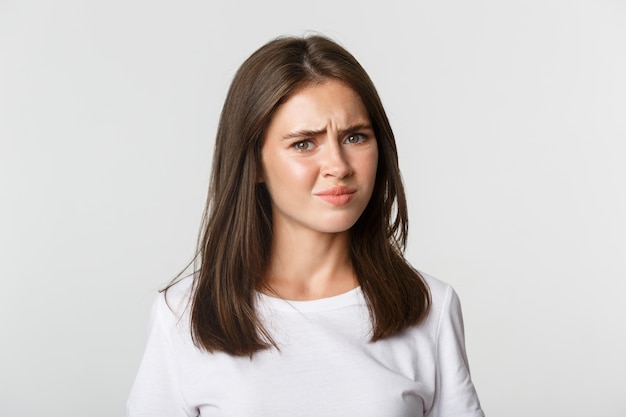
321	103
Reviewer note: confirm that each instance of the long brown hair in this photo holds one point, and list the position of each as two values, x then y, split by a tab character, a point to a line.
236	234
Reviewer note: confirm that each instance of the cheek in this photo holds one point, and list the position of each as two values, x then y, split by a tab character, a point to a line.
288	172
373	163
368	164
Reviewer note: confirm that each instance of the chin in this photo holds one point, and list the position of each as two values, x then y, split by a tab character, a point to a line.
337	226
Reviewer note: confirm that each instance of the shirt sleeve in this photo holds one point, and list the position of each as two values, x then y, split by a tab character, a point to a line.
455	395
156	390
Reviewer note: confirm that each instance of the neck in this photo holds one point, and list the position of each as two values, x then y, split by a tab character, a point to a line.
308	265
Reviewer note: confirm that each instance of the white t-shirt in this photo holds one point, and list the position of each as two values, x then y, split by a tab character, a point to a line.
326	365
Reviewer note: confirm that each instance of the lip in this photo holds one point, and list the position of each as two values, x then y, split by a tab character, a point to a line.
337	196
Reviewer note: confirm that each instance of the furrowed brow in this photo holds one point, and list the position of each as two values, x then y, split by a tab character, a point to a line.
298	134
312	133
356	128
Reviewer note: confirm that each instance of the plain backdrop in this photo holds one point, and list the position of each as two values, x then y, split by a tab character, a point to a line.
510	118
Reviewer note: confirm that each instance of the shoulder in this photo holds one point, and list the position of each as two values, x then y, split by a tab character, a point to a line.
444	299
436	286
173	302
440	291
180	291
455	392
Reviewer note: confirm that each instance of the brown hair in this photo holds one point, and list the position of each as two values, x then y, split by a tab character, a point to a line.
236	234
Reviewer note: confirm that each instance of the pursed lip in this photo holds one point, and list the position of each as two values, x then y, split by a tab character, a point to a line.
335	191
337	196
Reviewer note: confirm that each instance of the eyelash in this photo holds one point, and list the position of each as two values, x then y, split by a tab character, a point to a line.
361	137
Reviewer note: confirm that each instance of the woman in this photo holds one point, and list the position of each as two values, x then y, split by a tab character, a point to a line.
302	303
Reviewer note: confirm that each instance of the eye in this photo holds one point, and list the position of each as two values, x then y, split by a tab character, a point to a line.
355	138
303	145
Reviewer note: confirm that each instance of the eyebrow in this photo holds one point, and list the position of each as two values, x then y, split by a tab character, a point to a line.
311	133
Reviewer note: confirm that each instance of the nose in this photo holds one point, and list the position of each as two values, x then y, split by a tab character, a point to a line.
335	162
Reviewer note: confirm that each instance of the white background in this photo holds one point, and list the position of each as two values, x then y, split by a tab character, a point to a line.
510	118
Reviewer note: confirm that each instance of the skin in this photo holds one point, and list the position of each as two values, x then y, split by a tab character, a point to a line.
319	160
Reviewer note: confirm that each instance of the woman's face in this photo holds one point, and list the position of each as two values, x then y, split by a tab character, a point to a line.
319	159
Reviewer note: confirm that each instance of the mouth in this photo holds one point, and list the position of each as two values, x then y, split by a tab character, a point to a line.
337	196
